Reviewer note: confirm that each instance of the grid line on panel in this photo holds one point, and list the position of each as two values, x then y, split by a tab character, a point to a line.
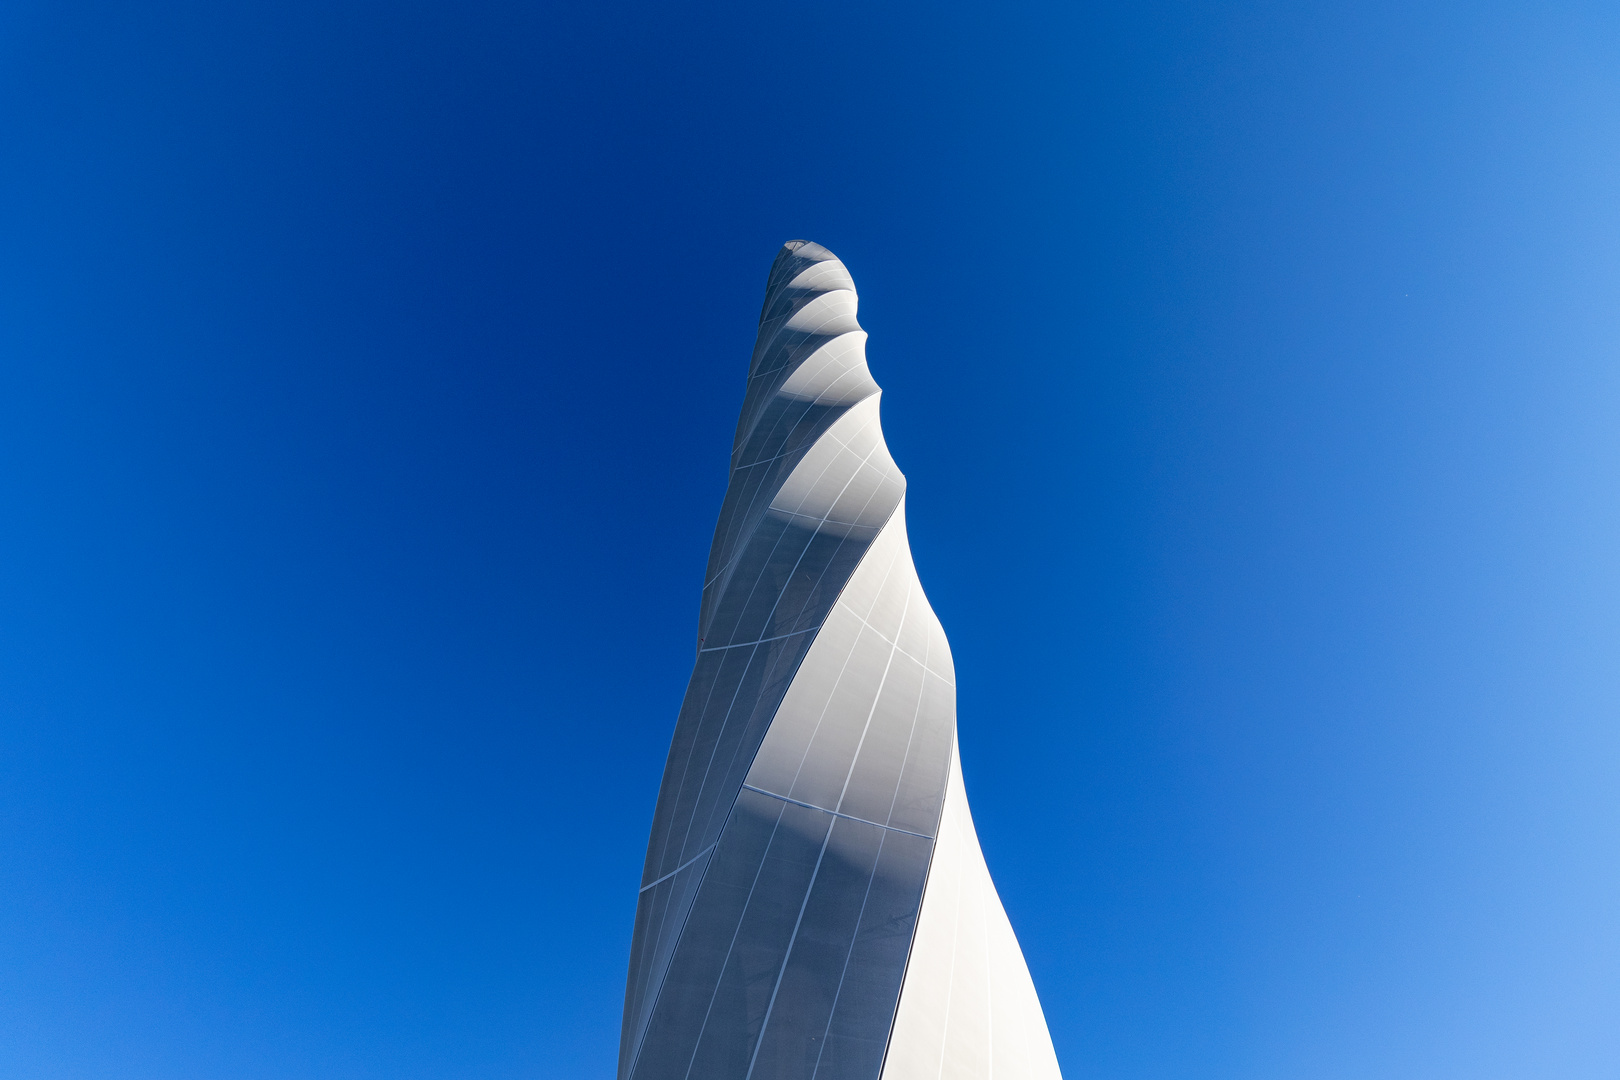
730	946
787	954
809	336
796	565
834	813
794	441
758	400
761	641
888	666
744	512
738	550
847	448
741	548
911	734
896	645
941	842
807	653
786	351
686	766
843	668
741	543
830	315
654	993
833	356
822	521
731	708
793	939
834	461
725	721
678	869
843	973
836	356
737	747
950	983
657	992
778	456
772	328
764	398
826	362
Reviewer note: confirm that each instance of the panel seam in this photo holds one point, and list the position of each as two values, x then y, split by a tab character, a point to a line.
835	813
678	869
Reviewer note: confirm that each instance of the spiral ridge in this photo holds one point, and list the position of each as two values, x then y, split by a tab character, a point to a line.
814	902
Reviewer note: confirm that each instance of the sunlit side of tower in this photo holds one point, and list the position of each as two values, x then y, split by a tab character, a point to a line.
814	902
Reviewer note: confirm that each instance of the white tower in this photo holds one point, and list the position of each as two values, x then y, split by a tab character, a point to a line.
815	905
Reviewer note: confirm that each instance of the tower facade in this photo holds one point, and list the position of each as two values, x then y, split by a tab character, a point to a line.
815	905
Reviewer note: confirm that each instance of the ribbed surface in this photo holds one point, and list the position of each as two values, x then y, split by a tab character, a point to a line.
797	818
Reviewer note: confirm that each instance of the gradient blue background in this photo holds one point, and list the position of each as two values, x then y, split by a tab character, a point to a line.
367	378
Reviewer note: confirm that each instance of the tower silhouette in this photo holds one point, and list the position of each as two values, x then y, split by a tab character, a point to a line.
815	903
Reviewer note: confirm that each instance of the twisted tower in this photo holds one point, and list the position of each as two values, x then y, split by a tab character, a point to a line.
814	903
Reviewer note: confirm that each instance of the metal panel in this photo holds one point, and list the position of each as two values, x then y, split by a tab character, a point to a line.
792	844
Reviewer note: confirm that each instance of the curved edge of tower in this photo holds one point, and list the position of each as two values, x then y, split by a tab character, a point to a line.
814	902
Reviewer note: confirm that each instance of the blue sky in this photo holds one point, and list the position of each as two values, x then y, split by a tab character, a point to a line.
367	376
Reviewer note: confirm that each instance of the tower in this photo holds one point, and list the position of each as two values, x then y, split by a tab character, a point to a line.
815	905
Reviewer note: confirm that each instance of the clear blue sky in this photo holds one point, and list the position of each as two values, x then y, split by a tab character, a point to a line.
367	377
